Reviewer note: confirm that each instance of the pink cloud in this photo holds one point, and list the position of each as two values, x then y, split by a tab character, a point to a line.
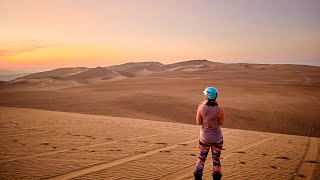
17	47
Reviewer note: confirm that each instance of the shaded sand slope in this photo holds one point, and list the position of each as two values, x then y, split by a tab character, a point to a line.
250	102
39	144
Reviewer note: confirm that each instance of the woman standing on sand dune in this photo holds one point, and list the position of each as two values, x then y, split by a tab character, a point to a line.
210	116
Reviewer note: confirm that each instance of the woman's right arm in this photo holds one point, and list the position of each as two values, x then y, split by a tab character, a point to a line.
221	120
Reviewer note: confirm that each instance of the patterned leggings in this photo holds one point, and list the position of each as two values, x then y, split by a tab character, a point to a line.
203	153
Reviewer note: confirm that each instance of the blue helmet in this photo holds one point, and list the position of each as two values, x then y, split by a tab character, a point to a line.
211	93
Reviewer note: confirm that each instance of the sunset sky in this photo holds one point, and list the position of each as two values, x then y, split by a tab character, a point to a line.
47	34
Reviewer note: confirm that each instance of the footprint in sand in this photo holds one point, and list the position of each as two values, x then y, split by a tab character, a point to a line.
315	162
301	175
241	152
165	151
45	143
115	150
183	144
90	151
282	157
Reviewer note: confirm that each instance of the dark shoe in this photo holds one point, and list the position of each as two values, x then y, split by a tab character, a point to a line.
216	176
197	176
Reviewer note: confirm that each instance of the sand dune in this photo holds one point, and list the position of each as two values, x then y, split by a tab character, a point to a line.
56	73
79	74
139	68
260	97
98	73
38	144
192	63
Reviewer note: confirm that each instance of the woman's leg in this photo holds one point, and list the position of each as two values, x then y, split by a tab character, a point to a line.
216	152
203	153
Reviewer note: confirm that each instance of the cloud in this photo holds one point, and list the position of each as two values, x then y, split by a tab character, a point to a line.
14	48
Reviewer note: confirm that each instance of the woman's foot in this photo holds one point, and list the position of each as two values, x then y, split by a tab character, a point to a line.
216	176
197	176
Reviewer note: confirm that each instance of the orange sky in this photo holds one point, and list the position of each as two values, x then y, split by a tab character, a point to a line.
42	34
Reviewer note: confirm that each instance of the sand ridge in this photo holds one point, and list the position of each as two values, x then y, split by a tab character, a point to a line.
308	165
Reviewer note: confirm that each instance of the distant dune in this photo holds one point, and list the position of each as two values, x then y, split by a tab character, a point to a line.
9	77
130	70
98	73
193	63
56	73
262	97
6	75
37	144
139	68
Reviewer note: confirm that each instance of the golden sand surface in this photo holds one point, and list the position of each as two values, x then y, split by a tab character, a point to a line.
277	98
41	144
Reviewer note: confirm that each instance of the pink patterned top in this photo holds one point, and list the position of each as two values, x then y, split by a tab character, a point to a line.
211	118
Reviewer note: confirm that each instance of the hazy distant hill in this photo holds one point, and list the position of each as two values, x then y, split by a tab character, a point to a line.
46	79
6	75
9	72
66	77
9	77
56	73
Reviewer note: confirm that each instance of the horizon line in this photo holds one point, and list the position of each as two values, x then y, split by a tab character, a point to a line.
34	70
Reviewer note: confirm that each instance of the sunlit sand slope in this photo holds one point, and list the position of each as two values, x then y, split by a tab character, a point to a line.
39	144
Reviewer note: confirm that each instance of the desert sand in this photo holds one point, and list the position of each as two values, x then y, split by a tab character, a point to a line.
136	121
41	144
261	97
